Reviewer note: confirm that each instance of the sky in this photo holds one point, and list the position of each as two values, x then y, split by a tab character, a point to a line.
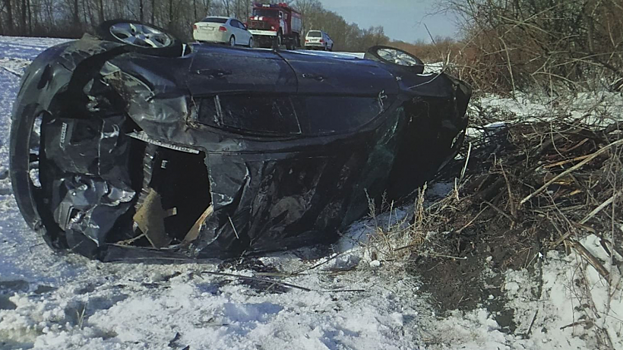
402	19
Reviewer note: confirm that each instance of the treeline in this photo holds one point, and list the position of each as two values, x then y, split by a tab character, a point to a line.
551	44
71	18
346	36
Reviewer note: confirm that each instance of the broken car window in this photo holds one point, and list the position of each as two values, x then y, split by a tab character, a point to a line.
328	115
250	114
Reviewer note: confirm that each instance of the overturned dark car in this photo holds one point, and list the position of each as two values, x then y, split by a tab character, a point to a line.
134	145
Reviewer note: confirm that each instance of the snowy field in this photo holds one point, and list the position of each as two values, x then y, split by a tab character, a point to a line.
325	298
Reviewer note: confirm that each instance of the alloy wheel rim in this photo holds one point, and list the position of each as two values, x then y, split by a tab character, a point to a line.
140	35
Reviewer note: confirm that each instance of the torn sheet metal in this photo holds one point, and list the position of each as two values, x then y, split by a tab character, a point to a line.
221	152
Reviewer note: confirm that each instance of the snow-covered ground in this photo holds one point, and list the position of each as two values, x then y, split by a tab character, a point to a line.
335	298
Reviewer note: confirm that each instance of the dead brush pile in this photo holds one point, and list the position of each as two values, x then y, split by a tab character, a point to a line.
541	185
524	189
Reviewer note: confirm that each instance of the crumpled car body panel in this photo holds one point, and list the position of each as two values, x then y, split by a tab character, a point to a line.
222	152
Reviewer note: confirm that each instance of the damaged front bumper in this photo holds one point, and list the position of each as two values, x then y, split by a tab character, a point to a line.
222	152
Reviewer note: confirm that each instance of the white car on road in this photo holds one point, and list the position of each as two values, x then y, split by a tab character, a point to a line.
222	30
317	39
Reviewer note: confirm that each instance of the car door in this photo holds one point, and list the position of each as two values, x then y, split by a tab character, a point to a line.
246	33
242	36
233	27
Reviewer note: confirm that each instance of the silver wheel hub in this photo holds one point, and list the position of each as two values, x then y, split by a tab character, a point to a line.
140	35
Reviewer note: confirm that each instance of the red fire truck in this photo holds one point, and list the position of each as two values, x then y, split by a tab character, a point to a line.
275	24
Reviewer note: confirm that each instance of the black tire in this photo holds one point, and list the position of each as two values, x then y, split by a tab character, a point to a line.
251	42
396	57
277	41
232	41
160	43
28	194
20	165
279	38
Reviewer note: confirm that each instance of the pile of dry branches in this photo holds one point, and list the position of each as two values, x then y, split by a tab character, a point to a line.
543	184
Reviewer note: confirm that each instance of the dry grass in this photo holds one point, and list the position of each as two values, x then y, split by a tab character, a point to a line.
555	46
559	176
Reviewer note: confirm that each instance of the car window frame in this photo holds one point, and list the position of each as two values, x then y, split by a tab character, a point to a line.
315	30
220	122
204	20
308	131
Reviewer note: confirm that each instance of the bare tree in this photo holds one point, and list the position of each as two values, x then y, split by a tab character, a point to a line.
76	15
72	17
547	43
9	11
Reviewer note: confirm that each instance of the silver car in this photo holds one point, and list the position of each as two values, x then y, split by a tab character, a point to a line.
317	39
222	30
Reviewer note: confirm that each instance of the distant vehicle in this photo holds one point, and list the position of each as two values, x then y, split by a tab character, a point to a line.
276	24
222	30
317	39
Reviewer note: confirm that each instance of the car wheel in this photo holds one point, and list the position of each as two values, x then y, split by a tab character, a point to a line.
250	42
232	41
395	56
141	38
26	155
25	141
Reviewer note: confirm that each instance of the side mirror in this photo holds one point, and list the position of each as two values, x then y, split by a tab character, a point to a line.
246	26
